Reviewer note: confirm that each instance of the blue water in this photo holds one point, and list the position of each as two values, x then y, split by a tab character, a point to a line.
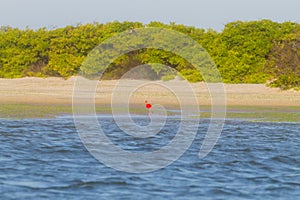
44	158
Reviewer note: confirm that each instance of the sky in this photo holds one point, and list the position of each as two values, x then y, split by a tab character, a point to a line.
199	13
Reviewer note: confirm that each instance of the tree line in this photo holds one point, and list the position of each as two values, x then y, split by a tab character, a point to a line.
244	52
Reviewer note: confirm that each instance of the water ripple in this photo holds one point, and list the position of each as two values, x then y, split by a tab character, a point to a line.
44	158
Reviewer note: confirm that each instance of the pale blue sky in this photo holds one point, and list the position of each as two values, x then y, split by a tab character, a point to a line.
200	13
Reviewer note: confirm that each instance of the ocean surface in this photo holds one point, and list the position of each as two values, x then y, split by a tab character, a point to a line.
45	159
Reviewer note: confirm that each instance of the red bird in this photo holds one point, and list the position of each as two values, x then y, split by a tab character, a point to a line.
148	105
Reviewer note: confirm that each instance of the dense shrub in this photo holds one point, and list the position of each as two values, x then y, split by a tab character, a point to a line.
244	52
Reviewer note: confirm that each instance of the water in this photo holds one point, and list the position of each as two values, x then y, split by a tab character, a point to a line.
44	158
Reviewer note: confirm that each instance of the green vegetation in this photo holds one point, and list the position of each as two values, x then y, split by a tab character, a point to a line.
244	52
259	113
21	111
248	113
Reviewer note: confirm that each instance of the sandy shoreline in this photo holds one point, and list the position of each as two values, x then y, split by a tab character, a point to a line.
51	91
